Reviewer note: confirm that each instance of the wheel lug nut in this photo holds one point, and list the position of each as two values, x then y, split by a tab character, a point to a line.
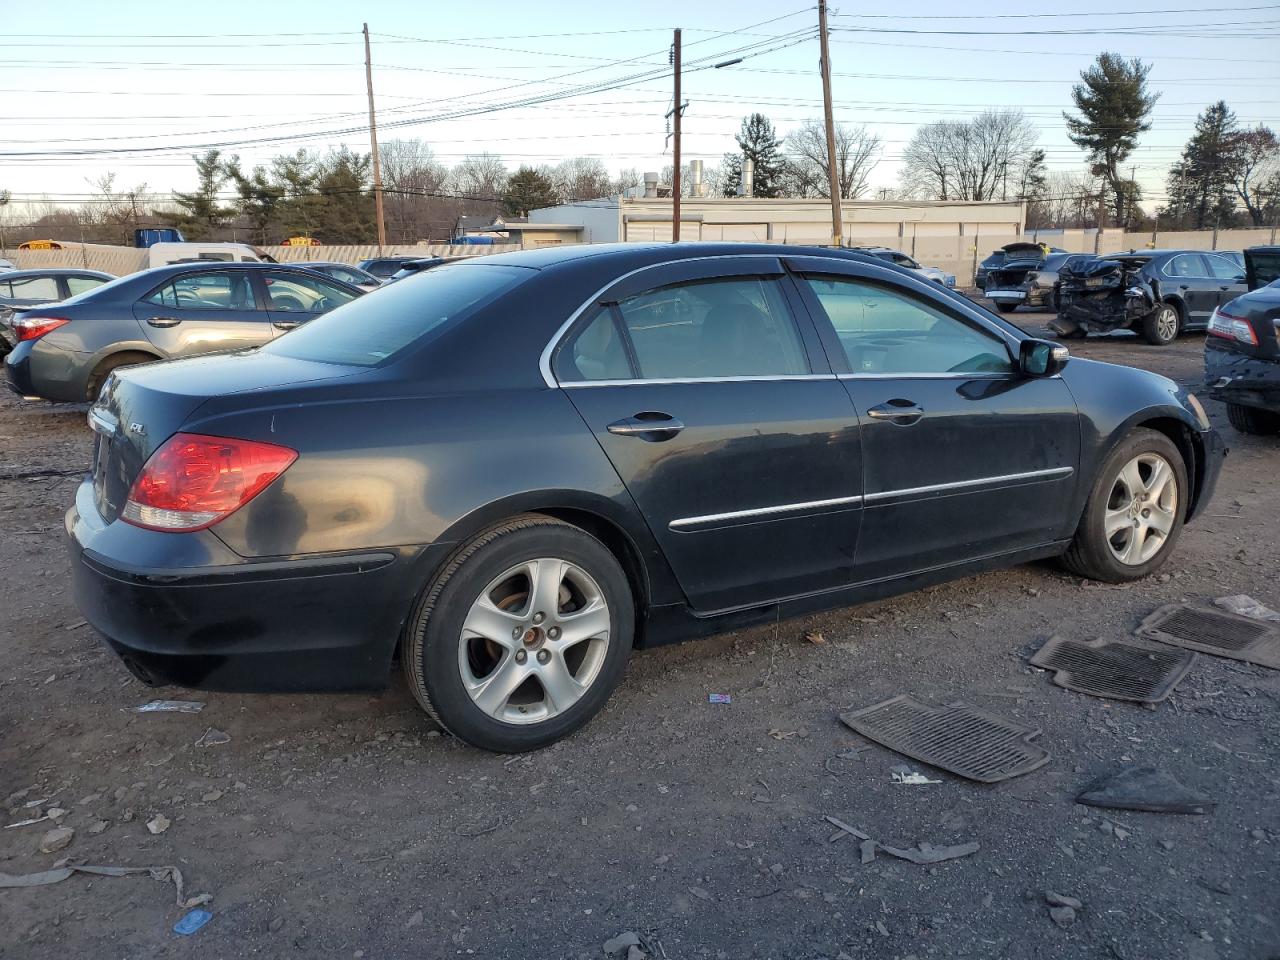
521	656
515	633
539	617
554	633
543	656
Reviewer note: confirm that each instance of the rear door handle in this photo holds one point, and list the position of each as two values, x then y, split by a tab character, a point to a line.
651	425
163	322
286	324
898	411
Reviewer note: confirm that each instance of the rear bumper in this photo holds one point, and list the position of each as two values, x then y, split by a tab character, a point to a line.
17	370
315	623
1006	296
1236	378
52	374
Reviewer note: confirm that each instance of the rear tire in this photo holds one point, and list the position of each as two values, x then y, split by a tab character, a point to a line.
1252	420
100	373
490	665
1131	500
1162	325
1006	307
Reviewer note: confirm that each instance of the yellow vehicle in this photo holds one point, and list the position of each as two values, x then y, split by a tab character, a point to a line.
40	245
301	242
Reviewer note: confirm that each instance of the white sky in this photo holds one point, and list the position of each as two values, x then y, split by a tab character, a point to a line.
73	77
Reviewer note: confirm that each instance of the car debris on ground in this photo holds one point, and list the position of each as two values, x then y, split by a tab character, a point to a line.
1147	789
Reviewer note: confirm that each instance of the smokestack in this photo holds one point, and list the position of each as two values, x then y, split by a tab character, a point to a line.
650	184
746	186
695	177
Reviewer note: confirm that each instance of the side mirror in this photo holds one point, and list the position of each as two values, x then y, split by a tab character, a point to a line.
1042	358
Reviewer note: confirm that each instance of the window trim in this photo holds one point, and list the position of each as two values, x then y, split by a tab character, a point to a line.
547	357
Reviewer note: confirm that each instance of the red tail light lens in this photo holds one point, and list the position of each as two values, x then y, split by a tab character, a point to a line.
36	327
194	481
1231	327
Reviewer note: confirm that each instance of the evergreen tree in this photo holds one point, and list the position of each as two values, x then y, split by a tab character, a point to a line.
528	189
1201	183
1114	105
759	144
202	212
345	211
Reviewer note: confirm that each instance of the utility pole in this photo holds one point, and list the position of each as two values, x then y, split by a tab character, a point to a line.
837	227
373	146
675	147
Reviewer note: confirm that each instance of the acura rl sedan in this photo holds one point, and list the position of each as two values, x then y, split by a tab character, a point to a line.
509	472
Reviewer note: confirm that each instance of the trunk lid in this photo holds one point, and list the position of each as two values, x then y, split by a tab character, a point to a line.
1262	266
139	408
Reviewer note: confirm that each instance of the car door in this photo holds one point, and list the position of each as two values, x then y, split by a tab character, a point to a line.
295	298
963	457
1189	276
716	406
203	311
1228	277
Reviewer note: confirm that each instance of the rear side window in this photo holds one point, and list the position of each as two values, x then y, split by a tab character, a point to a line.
77	285
710	329
371	329
1220	268
206	291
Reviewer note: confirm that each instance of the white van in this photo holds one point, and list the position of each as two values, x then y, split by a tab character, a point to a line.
162	254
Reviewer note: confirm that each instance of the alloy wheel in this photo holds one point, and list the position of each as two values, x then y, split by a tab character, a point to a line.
1167	323
534	641
1141	509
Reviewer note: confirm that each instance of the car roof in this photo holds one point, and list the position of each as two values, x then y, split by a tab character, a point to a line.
57	272
622	256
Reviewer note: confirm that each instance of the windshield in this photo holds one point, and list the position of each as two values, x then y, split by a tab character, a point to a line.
372	329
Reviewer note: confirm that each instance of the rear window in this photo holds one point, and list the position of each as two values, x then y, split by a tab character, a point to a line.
371	329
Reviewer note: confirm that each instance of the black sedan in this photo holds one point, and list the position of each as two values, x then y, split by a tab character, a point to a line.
411	267
514	469
1158	294
1010	251
1242	351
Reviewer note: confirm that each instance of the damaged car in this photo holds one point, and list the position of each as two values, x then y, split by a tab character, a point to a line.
1242	351
1158	294
1032	284
1007	284
996	259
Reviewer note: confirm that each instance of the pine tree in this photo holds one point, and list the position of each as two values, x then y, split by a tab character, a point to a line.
1201	183
203	214
1114	105
759	144
528	189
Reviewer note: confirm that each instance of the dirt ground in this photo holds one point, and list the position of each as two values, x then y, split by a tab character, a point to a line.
346	826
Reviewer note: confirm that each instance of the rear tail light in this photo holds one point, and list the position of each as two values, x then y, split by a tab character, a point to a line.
193	481
33	328
1231	327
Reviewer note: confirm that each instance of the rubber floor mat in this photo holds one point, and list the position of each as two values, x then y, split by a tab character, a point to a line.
1216	632
968	741
1112	669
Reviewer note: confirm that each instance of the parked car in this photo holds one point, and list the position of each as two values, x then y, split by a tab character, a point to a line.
1033	282
344	272
411	267
997	259
1157	293
1006	284
21	290
910	263
514	469
65	351
384	267
1242	351
164	252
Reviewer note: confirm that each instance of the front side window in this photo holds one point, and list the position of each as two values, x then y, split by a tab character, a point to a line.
706	329
206	291
886	331
1185	265
292	293
30	288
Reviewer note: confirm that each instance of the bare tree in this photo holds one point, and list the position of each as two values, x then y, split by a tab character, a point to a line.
481	176
415	185
581	178
1255	170
977	160
808	171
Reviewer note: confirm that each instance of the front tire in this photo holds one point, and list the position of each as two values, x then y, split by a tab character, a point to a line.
522	637
1006	307
1161	326
1252	420
1135	511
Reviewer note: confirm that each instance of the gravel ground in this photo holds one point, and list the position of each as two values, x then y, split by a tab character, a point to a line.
346	826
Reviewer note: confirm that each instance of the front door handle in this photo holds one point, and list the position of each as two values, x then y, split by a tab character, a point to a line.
163	322
1183	286
651	425
286	324
898	411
